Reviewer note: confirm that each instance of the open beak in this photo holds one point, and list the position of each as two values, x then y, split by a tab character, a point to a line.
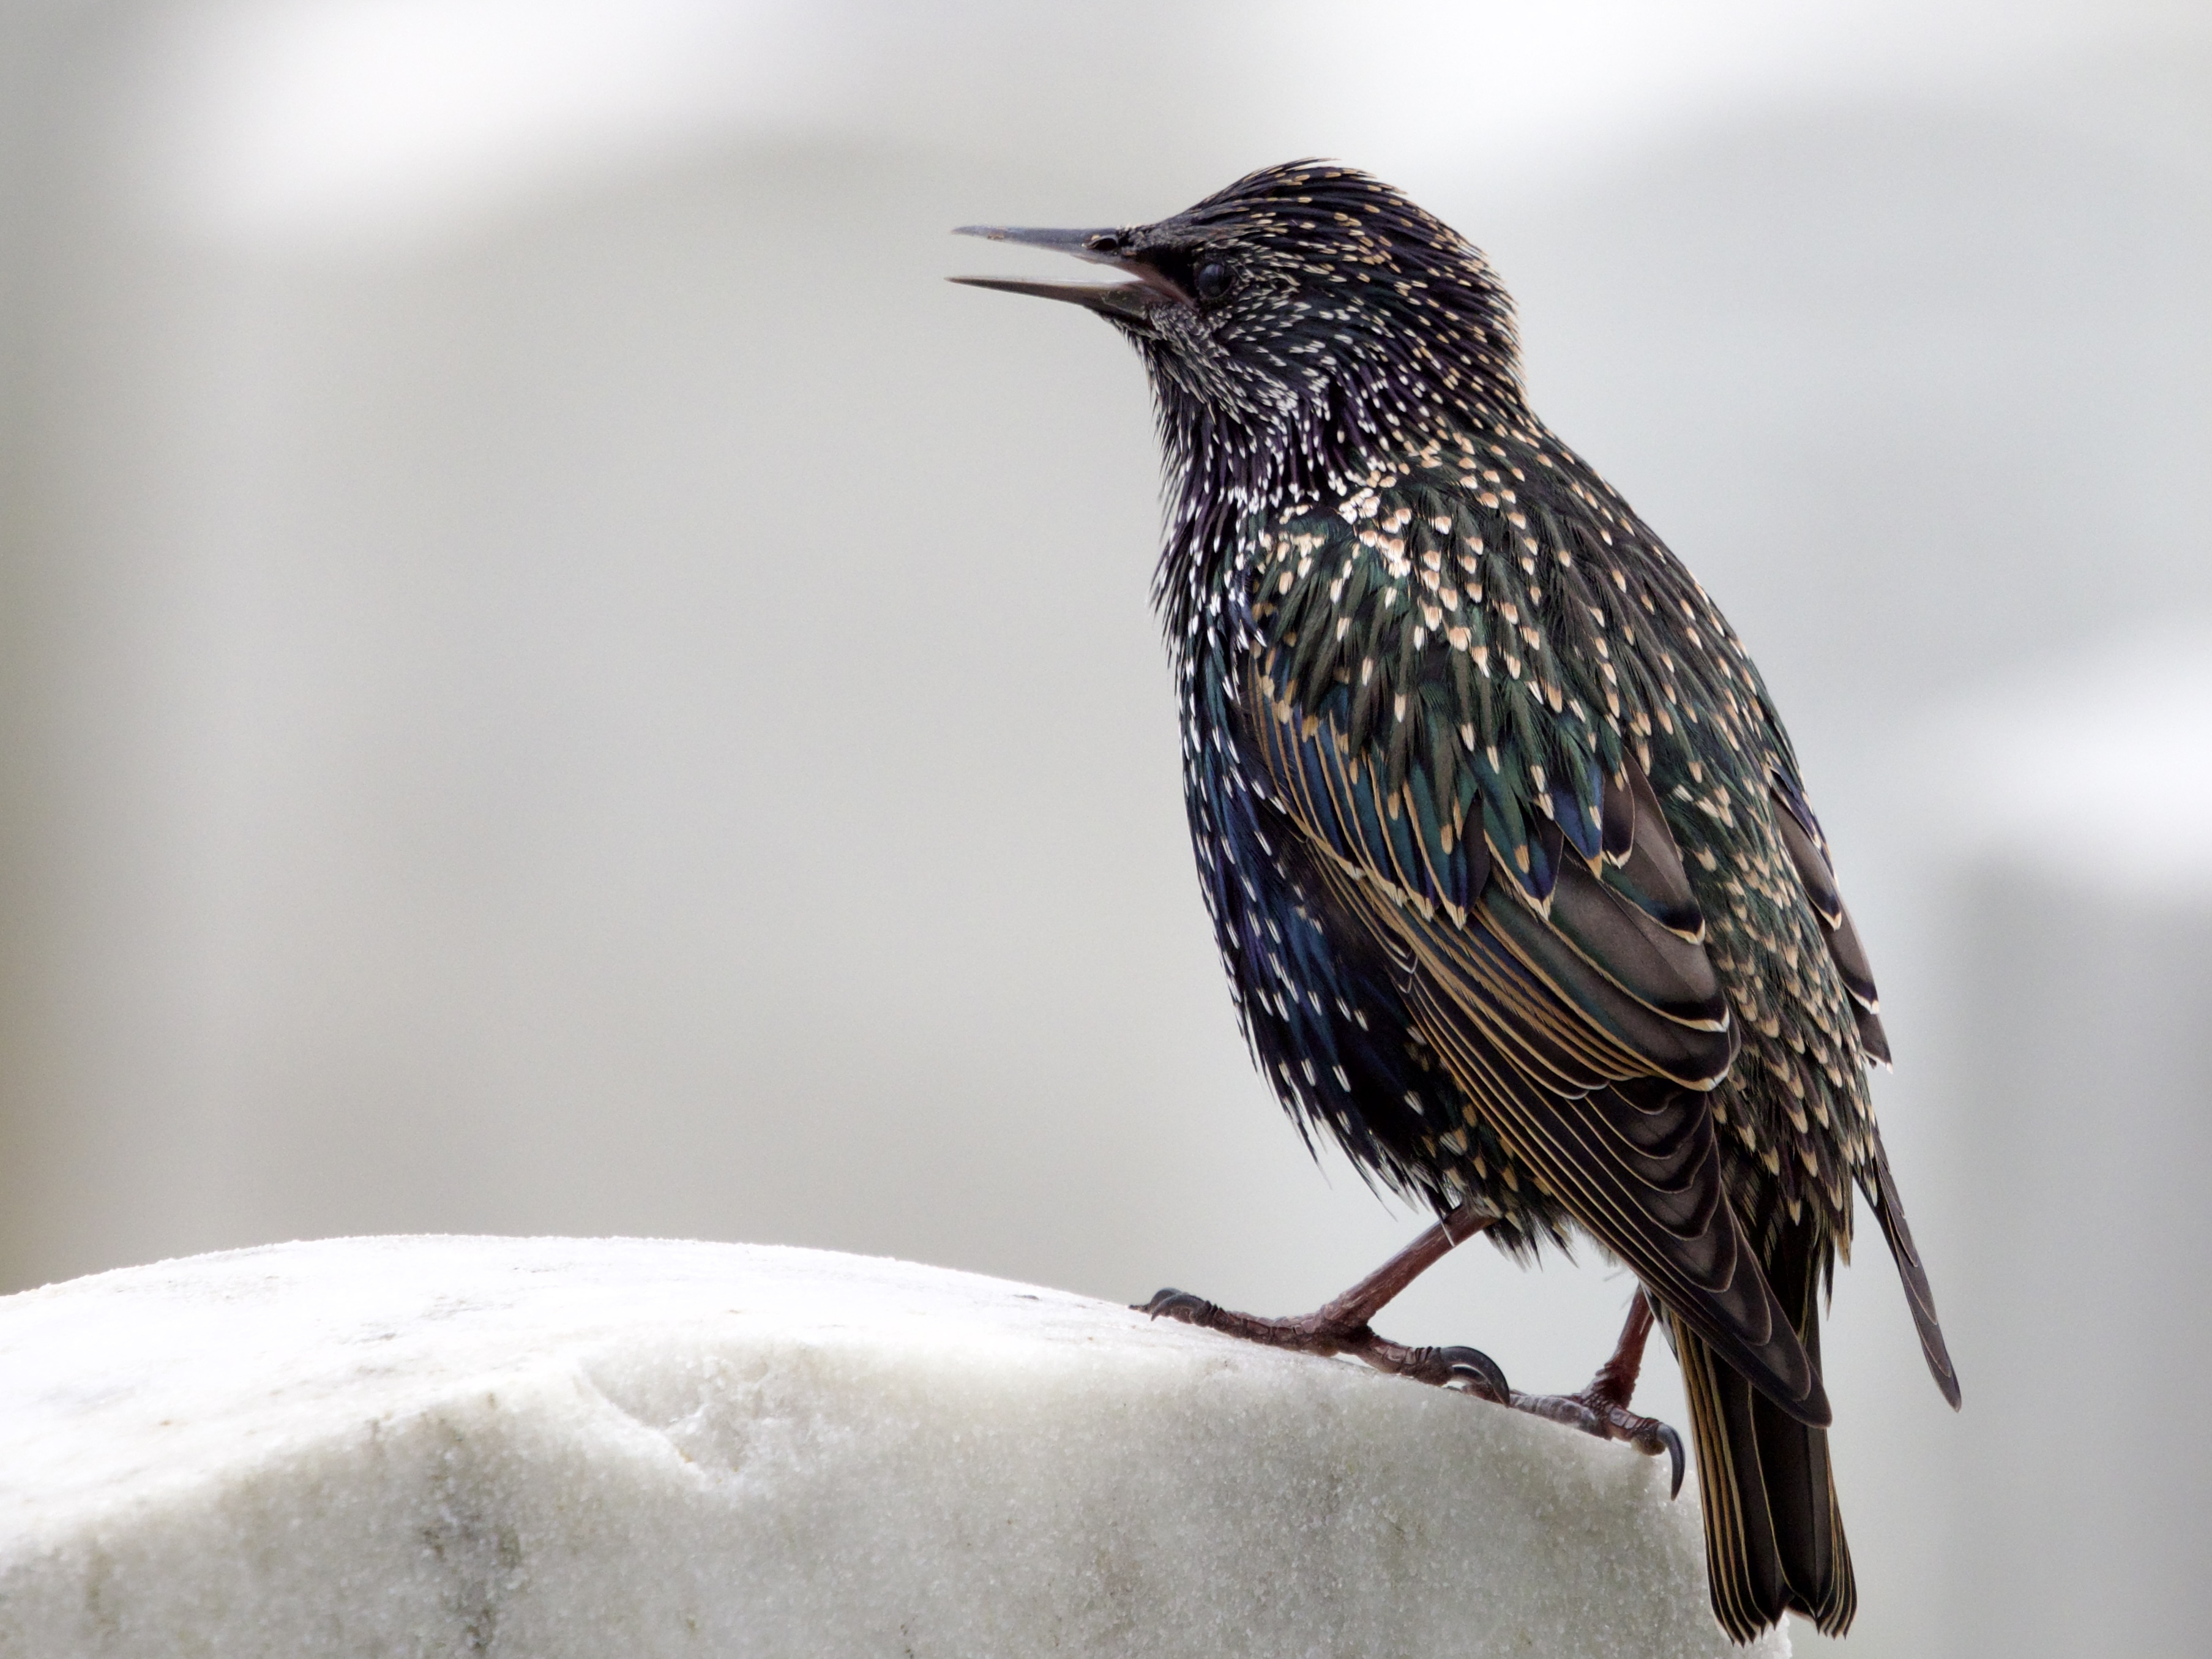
1132	301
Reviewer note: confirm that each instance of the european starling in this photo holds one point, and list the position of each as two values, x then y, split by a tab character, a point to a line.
1508	855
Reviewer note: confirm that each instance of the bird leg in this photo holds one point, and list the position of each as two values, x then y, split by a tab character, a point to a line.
1602	1408
1341	1326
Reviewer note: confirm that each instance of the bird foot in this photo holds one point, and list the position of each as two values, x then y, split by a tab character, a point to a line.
1329	1332
1595	1411
1602	1408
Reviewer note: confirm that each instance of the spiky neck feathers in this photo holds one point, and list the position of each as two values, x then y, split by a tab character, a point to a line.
1332	325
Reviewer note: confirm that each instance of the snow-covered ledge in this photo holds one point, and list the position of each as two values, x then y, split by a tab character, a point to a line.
625	1448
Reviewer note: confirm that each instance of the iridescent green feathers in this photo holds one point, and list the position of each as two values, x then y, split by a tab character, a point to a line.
1507	852
1498	657
1478	660
1449	692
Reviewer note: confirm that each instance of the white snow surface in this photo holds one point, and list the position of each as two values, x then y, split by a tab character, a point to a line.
560	1447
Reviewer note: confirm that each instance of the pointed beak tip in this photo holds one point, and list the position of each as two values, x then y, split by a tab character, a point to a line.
1130	301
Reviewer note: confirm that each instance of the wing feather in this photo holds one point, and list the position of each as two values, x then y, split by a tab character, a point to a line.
1634	1159
1890	1210
1651	876
1807	848
1572	999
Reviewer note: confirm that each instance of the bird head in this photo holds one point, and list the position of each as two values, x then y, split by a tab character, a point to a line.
1305	317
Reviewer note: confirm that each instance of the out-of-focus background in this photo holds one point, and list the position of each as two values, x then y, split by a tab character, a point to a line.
554	678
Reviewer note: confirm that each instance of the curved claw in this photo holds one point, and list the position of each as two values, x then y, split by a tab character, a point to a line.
1477	1370
1179	1305
1672	1442
1651	1437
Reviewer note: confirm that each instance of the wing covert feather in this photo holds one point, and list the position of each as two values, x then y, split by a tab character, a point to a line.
1540	920
1807	850
1631	1155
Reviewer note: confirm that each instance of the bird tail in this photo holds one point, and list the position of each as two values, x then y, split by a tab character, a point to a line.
1774	1538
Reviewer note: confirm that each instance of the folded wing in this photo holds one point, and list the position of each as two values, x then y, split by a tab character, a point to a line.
1579	1012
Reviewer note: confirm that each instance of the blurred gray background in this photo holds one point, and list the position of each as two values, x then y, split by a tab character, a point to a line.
556	679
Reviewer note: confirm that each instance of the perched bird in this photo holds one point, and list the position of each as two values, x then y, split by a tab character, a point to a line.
1507	854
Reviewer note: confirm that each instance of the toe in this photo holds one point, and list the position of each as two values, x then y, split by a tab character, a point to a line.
1178	1305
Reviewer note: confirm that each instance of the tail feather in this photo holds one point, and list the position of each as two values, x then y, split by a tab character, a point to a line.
1774	1536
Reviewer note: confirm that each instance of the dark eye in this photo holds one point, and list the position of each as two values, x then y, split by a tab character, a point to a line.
1212	281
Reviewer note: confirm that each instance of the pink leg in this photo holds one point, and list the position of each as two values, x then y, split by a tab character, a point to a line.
1341	1326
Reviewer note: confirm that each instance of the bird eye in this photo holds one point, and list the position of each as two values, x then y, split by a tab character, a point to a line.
1213	280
